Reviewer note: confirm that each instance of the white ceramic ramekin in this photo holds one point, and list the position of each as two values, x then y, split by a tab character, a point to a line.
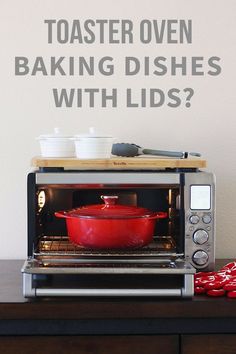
93	146
56	145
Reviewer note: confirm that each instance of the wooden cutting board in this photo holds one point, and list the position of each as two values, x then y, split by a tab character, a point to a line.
117	163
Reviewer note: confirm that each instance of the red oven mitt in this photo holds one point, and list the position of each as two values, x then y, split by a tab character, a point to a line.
218	283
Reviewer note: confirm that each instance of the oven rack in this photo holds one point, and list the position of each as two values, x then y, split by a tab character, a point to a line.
61	246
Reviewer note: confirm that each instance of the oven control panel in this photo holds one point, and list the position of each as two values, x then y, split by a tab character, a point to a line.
200	220
199	231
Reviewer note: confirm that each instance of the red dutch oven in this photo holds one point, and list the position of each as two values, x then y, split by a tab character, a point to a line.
110	225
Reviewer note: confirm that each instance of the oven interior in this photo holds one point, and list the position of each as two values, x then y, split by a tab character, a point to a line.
49	242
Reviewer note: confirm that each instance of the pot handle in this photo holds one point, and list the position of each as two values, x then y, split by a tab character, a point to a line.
159	215
62	214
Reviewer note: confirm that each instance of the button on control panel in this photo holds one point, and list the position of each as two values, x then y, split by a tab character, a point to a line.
194	219
206	219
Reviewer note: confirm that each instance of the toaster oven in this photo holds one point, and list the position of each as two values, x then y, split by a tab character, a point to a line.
183	242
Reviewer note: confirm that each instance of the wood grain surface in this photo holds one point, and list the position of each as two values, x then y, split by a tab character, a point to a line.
116	163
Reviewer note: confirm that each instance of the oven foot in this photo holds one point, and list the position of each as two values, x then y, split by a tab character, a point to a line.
188	289
28	288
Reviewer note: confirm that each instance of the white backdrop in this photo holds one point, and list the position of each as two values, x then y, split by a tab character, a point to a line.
27	108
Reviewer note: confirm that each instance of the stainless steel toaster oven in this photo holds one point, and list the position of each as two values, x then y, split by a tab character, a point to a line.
182	243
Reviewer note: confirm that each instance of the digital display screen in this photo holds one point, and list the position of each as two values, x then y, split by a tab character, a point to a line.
200	197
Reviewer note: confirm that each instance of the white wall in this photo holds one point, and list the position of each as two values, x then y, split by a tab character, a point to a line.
27	108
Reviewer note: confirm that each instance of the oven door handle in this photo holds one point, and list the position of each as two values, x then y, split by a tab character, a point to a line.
108	292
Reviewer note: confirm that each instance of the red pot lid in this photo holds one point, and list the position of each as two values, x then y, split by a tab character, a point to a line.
110	210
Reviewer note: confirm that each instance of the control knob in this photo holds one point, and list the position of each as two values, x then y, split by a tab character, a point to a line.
200	236
200	257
